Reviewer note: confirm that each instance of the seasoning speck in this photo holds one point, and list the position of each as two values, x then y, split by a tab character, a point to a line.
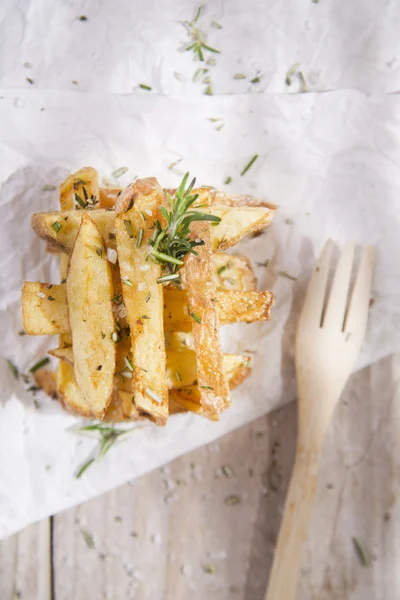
88	539
232	500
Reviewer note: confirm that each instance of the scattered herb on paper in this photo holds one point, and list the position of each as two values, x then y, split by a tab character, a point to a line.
146	87
108	436
249	164
362	553
39	365
29	80
119	172
13	369
287	275
48	188
291	73
239	76
228	180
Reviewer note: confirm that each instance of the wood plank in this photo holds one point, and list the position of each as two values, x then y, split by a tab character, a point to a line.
161	537
171	534
25	564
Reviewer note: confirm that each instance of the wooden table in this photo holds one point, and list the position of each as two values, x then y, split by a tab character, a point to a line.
205	525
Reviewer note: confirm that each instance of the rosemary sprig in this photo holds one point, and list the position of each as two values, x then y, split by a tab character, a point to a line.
170	244
108	436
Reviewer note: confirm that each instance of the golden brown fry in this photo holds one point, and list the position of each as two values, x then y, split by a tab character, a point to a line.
212	383
137	210
235	223
84	184
44	308
233	273
41	317
89	298
68	391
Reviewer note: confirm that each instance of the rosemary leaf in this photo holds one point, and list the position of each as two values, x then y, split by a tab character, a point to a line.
249	164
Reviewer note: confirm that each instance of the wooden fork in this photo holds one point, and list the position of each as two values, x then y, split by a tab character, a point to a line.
327	345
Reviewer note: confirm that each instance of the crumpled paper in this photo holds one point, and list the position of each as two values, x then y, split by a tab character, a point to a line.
119	45
329	160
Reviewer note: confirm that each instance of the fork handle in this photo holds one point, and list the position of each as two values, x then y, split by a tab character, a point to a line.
288	555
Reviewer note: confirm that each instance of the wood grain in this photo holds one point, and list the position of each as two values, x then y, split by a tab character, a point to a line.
190	531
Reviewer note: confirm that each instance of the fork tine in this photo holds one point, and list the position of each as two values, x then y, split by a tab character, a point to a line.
357	314
314	302
336	307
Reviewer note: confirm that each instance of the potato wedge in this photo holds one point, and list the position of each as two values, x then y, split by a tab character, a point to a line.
233	272
42	317
44	308
68	391
181	366
236	223
202	309
60	228
79	189
89	298
206	196
143	296
189	397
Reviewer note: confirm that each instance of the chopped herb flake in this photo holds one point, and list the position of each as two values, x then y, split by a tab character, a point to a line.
249	164
79	201
285	274
50	298
232	500
119	172
196	317
83	468
143	86
128	227
100	252
88	539
22	332
48	188
362	553
56	226
13	369
139	238
148	297
127	282
239	76
41	363
228	180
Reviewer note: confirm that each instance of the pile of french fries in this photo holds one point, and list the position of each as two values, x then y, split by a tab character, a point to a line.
132	347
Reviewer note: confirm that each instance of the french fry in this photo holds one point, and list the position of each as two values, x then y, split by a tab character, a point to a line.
68	391
212	383
181	366
79	189
232	273
42	317
206	196
60	228
44	308
137	210
89	299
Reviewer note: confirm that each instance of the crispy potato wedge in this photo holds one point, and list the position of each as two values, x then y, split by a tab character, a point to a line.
42	317
236	222
201	293
180	341
143	296
83	184
63	353
68	391
231	307
233	273
89	299
181	366
206	196
189	397
46	380
44	308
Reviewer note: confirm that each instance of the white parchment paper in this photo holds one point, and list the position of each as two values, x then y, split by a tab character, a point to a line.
334	43
330	160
